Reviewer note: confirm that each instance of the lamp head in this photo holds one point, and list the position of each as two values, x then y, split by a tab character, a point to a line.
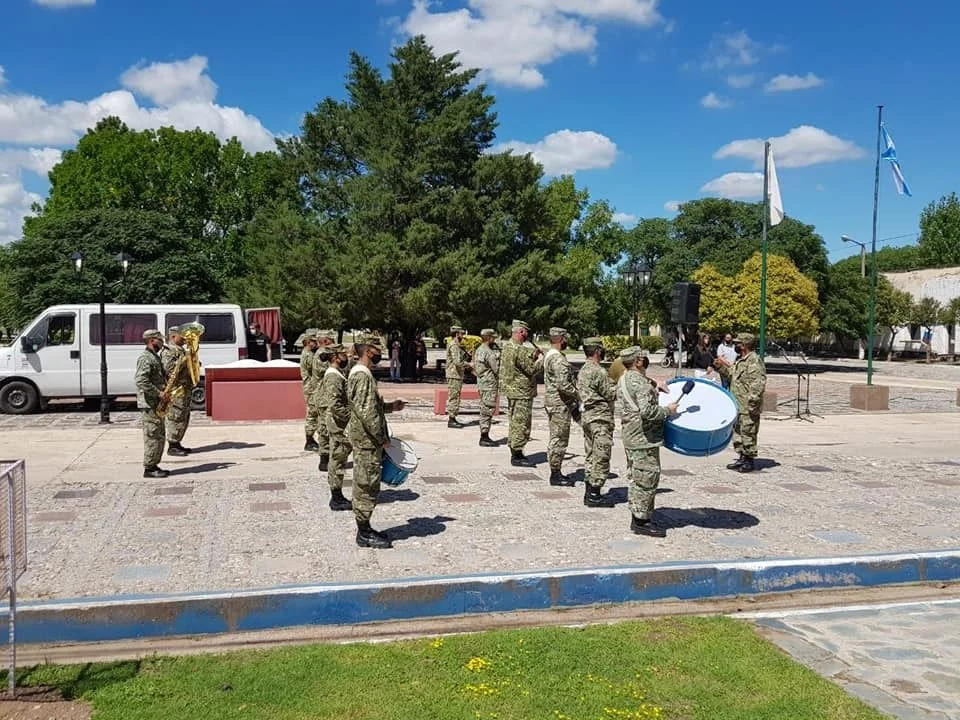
124	260
77	259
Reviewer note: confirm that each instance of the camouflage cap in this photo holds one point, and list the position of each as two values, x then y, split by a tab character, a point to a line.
558	332
373	340
173	330
517	324
593	342
630	354
454	329
335	348
746	339
488	332
151	334
308	335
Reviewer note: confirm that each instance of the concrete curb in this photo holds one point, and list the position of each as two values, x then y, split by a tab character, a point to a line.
138	617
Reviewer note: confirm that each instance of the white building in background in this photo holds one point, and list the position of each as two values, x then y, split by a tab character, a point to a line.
942	284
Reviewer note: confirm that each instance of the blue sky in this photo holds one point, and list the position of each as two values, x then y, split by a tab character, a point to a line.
643	100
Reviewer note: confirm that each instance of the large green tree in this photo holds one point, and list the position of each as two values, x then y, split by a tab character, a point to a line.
847	302
939	244
894	308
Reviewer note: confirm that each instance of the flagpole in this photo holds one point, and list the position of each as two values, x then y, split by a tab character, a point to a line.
762	342
871	318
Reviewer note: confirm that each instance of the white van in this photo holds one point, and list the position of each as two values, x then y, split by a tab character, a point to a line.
58	355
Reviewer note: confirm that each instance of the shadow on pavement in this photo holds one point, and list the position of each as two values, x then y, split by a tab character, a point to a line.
392	496
202	468
226	446
419	527
765	464
709	518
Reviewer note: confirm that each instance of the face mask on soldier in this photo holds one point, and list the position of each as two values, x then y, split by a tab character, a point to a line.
375	359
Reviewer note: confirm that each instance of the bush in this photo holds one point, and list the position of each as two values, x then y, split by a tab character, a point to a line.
652	343
613	344
470	342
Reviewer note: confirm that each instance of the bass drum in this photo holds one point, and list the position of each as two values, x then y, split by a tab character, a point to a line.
705	423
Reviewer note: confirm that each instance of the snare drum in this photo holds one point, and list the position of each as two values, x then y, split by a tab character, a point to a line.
398	462
705	423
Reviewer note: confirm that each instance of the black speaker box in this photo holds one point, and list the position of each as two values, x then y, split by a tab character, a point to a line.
685	304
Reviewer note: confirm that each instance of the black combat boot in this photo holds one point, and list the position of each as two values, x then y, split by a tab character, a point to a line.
557	478
647	527
452	422
735	465
518	459
593	498
175	449
311	444
324	462
338	501
747	464
368	537
155	472
485	440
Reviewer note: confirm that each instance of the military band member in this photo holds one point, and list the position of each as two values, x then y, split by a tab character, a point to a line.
333	397
151	380
748	382
562	403
309	383
178	413
321	361
457	363
597	394
520	363
486	365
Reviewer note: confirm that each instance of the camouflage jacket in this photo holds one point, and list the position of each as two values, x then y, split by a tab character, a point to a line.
169	357
486	364
150	380
597	393
748	381
318	369
333	397
643	418
367	426
558	378
456	361
518	371
306	369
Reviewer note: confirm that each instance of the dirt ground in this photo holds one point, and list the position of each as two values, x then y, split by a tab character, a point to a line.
41	704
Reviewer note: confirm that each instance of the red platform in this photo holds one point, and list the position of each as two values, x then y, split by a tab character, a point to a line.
264	392
440	396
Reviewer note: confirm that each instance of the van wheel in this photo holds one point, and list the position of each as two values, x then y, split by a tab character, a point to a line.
198	398
18	398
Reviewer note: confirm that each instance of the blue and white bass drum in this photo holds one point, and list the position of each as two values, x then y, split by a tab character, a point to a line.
706	417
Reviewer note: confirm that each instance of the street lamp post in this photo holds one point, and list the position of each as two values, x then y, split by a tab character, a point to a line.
863	253
636	276
124	260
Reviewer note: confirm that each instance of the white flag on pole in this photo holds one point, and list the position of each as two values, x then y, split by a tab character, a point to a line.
773	191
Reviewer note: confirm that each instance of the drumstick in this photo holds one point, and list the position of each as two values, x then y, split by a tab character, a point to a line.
687	387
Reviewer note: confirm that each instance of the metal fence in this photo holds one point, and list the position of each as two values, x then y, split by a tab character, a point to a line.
13	535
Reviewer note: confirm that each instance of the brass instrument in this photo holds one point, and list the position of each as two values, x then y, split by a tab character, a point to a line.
191	334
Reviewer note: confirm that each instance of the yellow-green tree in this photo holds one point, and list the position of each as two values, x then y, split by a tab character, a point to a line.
733	303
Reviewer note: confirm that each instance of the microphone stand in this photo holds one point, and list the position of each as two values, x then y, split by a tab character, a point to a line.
802	375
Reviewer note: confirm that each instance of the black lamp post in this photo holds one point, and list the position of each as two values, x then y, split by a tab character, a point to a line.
124	260
636	276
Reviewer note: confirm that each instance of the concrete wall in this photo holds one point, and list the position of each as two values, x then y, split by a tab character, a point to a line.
942	284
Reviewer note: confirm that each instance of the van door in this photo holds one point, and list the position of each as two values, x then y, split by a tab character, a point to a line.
50	355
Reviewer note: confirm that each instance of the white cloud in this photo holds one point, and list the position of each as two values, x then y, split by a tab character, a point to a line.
511	39
715	102
624	218
36	160
741	81
728	50
567	151
15	204
802	146
788	83
3	79
736	186
672	205
172	82
65	3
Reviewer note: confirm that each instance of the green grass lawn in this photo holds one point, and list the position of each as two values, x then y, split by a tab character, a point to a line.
710	668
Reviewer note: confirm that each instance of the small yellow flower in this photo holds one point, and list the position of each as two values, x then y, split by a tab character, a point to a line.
478	664
437	644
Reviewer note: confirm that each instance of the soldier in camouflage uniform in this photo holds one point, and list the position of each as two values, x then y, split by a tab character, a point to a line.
307	356
457	362
562	403
748	382
321	361
178	414
598	394
151	380
369	437
642	430
336	413
520	363
486	364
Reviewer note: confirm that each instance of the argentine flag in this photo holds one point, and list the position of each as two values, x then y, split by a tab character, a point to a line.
890	155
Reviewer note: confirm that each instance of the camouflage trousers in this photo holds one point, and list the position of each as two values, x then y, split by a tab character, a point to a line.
454	386
153	432
314	416
520	416
339	452
316	426
366	482
559	418
597	446
178	419
745	434
488	403
643	469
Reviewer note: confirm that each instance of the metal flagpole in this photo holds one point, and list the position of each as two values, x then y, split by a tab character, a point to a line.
762	341
871	318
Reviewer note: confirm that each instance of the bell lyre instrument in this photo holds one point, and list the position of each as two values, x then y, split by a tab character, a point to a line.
189	356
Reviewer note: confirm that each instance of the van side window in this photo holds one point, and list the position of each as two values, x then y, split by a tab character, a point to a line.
60	330
122	328
218	327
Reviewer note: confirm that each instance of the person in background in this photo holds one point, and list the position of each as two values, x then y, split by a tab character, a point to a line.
726	357
309	383
258	344
395	361
420	355
703	359
486	363
457	362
